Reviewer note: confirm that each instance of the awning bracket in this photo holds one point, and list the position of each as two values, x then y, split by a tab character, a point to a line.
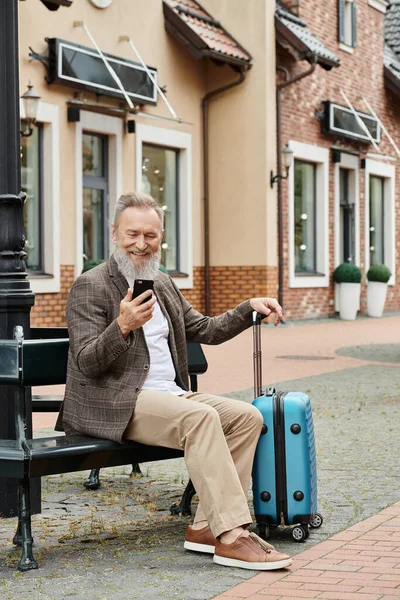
126	38
105	61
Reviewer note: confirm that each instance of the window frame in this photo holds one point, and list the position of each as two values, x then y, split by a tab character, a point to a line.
349	162
383	215
314	202
100	183
49	281
347	11
388	173
181	141
178	270
41	270
319	156
113	128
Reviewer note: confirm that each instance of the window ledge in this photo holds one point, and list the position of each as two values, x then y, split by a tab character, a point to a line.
346	48
33	275
380	5
178	274
309	274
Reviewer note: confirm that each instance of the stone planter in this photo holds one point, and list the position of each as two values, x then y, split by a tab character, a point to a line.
376	298
349	300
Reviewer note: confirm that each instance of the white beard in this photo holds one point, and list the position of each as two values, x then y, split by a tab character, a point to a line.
131	272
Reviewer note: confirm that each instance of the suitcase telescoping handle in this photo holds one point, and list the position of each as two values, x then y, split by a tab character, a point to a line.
257	357
257	354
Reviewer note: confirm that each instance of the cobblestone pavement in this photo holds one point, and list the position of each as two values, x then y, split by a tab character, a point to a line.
121	542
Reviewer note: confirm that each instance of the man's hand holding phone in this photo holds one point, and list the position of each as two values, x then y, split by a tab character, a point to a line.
137	307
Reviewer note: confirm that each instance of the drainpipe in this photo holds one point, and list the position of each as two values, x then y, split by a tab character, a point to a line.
205	103
288	80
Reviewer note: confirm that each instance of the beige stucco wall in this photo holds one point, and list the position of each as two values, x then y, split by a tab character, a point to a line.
184	77
242	141
242	121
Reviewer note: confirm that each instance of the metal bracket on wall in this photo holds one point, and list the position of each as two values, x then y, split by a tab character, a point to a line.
41	58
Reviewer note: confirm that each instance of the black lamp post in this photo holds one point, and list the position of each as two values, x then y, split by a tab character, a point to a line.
16	297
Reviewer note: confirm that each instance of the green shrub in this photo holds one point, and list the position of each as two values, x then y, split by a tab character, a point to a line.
89	264
347	273
379	273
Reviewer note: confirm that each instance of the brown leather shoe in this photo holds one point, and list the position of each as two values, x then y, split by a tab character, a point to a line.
250	553
200	540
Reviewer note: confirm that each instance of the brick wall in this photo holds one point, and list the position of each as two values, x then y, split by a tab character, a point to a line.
360	75
232	285
49	309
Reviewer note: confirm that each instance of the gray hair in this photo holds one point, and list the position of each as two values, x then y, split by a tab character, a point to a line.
137	200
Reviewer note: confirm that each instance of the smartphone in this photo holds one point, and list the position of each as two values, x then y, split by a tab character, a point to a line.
140	286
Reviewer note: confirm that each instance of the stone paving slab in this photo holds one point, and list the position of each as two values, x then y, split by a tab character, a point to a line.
121	542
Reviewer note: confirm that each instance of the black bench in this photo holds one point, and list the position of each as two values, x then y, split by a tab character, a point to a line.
38	362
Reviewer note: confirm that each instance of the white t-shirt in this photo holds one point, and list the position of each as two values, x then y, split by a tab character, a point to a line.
161	375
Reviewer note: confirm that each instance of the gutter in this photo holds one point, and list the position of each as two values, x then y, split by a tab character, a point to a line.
288	80
205	103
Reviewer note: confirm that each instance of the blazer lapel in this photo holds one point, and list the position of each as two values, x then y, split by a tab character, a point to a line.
117	278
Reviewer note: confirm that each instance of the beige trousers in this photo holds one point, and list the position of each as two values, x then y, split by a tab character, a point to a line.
219	438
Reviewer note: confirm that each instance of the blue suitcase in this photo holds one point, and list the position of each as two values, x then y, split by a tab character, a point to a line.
285	468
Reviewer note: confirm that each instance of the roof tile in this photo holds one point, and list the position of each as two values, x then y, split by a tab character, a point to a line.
208	30
298	28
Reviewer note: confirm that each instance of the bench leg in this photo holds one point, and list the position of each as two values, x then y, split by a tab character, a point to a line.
24	531
136	469
93	481
184	505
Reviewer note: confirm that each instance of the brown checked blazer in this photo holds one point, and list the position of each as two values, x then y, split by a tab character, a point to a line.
105	372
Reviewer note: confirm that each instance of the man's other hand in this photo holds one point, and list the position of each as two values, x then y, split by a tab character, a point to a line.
135	313
267	306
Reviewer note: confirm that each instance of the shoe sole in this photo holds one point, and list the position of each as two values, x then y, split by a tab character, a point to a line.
194	547
254	566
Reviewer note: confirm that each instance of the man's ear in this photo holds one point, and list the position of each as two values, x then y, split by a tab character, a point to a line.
162	234
113	234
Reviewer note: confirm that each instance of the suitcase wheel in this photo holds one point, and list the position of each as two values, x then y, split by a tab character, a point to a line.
316	520
263	531
300	533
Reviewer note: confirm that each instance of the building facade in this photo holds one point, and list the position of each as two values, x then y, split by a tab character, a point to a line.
207	152
339	201
88	145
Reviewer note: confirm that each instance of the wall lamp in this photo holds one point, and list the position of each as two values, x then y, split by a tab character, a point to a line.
31	105
287	154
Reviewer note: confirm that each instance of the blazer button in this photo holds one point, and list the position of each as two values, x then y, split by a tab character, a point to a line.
146	367
137	389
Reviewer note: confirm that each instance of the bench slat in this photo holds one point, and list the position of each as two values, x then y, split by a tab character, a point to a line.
61	454
12	459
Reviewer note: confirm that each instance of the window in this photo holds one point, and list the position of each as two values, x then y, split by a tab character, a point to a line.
304	217
347	217
95	189
380	216
347	23
31	183
308	196
376	220
163	169
160	169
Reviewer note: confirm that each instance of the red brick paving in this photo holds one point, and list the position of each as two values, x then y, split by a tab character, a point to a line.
360	563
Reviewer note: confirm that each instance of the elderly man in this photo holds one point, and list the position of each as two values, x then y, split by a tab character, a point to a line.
128	379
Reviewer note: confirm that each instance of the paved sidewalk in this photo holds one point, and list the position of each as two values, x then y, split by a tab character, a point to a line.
360	563
120	543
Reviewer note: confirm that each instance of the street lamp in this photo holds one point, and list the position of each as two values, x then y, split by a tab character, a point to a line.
287	154
16	297
31	106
